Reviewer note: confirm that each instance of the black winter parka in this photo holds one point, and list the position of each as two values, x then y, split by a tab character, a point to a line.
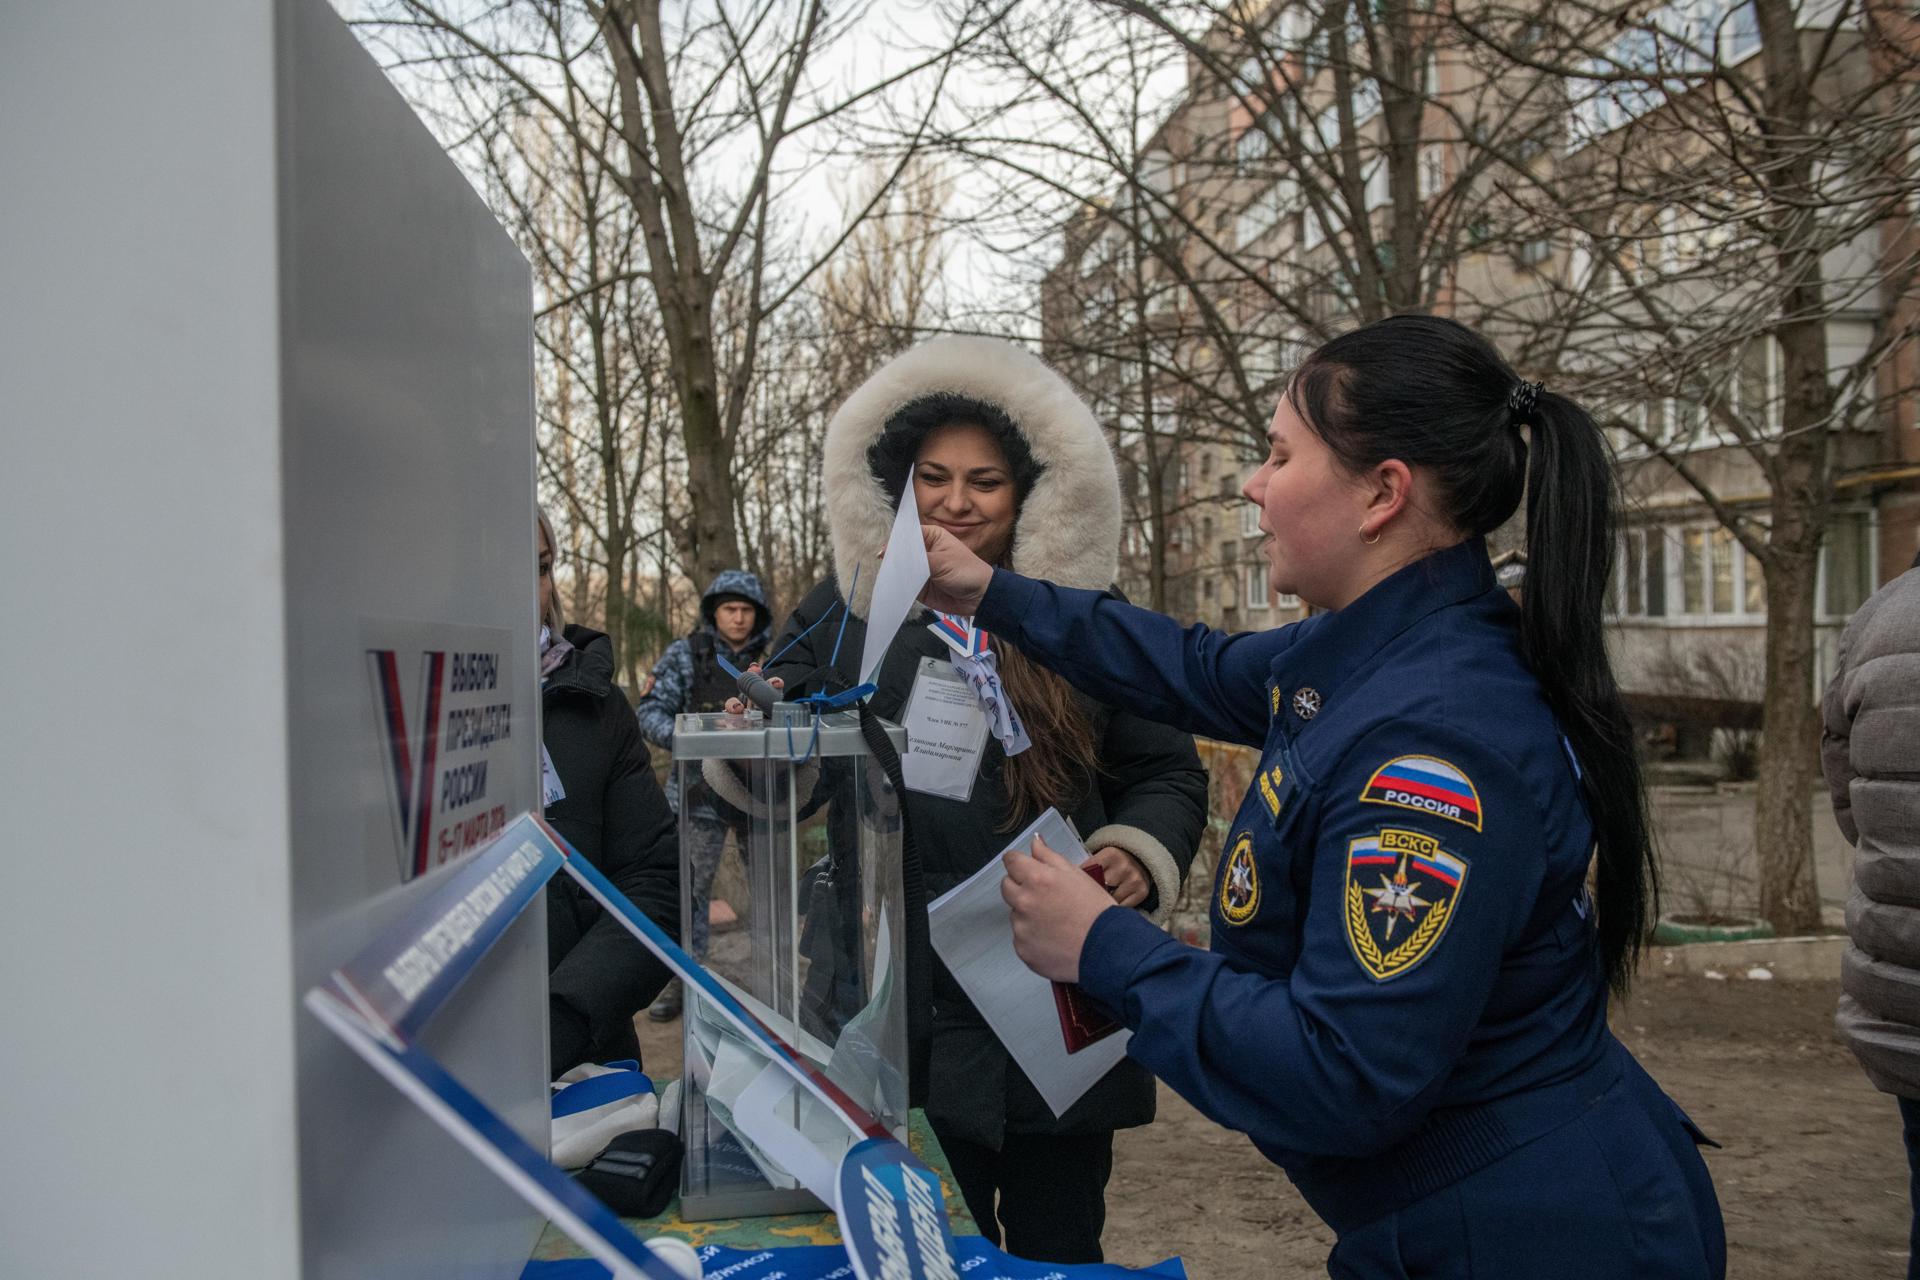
1150	784
615	815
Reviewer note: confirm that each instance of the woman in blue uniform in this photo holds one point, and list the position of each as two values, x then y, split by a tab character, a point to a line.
1405	1003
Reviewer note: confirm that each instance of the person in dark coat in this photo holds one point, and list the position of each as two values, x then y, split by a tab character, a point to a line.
1005	454
600	795
1870	746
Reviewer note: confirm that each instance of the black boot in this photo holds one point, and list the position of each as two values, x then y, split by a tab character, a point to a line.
666	1007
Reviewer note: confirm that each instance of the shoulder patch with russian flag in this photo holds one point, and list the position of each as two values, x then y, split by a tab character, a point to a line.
1425	784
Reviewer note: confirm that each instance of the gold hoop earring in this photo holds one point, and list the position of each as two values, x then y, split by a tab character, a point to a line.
1369	541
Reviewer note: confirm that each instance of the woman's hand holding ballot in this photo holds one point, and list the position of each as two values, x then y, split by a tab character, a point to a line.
957	579
1054	906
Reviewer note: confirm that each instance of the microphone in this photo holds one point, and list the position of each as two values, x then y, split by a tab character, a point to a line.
753	687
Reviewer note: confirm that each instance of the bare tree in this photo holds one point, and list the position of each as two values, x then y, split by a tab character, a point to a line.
698	121
1322	165
1735	195
1700	214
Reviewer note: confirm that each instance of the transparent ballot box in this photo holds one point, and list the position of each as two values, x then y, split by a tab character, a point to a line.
818	954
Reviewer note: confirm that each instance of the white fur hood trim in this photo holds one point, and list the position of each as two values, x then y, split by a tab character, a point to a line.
1069	529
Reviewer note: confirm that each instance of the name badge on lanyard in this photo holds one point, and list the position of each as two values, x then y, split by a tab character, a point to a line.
946	733
550	788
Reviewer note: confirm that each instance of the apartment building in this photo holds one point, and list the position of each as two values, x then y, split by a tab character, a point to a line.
1287	195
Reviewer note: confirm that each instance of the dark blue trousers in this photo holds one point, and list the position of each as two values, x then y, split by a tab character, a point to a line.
1910	1122
1618	1193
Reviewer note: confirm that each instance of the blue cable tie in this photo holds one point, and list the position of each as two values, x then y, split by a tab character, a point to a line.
812	743
847	612
802	636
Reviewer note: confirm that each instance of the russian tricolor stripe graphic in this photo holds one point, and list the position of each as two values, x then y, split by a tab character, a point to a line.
412	768
1425	784
1440	866
1365	852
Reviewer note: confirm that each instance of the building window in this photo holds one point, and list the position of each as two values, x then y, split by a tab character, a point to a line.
1266	210
1630	560
1711	575
1315	233
1433	170
1249	521
1756	388
1739	34
1846	564
1720	552
1252	146
1256	586
1366	95
1693	571
1379	190
1685	418
1643	569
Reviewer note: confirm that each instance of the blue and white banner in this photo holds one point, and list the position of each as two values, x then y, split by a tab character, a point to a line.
977	1260
400	979
892	1216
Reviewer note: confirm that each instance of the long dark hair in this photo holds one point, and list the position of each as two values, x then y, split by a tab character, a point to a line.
1437	396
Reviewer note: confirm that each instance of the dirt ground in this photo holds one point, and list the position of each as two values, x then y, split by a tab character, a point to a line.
1812	1178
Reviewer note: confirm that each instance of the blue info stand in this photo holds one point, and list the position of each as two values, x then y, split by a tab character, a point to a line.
892	1217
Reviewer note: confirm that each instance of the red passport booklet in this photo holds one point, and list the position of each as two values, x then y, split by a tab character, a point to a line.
1081	1020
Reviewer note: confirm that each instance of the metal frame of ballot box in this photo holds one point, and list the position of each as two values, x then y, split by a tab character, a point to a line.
819	957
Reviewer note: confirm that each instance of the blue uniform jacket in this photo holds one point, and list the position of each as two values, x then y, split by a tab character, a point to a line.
1400	924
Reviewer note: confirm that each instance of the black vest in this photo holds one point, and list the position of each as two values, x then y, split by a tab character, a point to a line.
712	686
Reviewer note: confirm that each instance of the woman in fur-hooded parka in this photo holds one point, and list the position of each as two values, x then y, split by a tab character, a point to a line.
1041	1177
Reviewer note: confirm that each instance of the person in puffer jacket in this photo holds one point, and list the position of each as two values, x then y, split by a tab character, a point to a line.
735	621
1870	748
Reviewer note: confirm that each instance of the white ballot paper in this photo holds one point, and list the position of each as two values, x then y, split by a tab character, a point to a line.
973	933
790	1135
784	1130
896	588
946	732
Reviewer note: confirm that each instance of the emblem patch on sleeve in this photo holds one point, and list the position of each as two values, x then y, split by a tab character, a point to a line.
1239	883
1425	784
1402	890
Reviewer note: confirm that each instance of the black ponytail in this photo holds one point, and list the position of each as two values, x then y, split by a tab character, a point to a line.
1437	396
1570	540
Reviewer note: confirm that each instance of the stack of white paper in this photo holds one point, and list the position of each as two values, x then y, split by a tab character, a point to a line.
973	933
